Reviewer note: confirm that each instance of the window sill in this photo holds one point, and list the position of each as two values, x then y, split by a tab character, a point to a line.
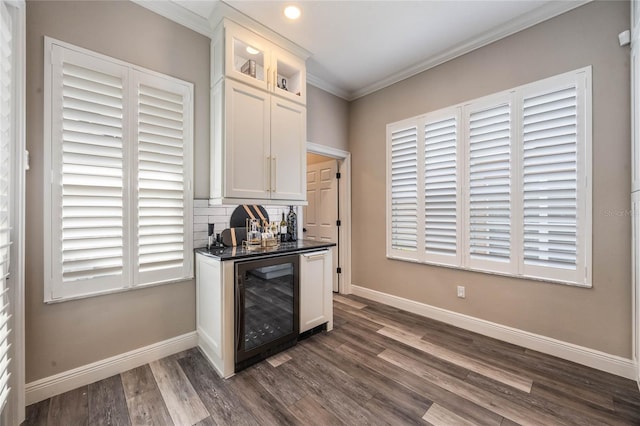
500	274
117	290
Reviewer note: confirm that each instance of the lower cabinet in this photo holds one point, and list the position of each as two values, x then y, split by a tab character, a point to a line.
316	290
216	304
215	313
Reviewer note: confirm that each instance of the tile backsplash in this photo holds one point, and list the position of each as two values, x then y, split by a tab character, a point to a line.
204	214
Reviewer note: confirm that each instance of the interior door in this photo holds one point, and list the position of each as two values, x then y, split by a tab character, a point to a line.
321	213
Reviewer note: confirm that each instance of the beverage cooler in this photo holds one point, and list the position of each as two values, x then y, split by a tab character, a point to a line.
267	307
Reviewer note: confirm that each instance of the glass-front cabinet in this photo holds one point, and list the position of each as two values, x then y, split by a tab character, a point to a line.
249	58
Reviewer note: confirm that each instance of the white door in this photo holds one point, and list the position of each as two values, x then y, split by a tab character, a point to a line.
288	149
321	213
247	151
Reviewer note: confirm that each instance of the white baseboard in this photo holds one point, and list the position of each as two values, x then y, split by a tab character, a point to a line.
90	373
579	354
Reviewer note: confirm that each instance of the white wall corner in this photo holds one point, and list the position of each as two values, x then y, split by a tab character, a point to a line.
54	385
579	354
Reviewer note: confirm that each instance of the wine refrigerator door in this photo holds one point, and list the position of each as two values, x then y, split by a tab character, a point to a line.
267	305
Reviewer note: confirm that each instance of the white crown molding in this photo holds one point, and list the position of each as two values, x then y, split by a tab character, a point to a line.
547	11
54	385
328	87
223	10
181	15
582	355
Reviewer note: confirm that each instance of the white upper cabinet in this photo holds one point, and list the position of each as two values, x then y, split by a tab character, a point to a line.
258	119
288	156
241	54
247	159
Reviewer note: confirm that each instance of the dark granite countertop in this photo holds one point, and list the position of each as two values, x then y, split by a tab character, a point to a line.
237	253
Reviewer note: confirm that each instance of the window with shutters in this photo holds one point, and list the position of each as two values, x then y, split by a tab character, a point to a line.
441	187
119	200
403	204
490	189
498	184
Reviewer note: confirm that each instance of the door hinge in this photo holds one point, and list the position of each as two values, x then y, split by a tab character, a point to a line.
338	222
339	270
338	175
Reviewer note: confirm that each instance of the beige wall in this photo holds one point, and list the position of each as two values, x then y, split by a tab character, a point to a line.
66	335
327	119
598	318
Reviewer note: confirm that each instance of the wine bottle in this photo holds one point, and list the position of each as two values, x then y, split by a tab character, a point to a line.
283	229
292	225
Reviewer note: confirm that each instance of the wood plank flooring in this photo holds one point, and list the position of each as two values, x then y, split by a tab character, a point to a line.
380	366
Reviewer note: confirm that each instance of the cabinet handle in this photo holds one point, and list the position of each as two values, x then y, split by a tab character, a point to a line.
274	175
267	167
268	77
275	79
315	255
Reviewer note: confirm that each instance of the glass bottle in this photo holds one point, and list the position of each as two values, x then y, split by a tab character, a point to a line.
283	229
292	225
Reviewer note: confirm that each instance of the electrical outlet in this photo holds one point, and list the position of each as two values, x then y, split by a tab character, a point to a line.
461	292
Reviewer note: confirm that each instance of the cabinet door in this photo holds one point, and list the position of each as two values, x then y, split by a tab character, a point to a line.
247	56
246	143
289	78
316	296
288	150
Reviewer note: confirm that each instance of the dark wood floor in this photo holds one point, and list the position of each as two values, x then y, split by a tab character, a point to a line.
379	366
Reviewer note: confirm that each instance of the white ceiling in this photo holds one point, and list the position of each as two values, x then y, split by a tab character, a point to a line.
358	47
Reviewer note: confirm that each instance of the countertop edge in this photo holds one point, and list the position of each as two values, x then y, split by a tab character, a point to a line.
239	253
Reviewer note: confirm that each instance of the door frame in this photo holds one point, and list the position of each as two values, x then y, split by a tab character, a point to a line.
344	213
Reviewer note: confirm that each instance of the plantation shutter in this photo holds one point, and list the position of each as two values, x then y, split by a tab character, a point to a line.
89	194
7	138
489	180
163	134
441	189
404	190
550	132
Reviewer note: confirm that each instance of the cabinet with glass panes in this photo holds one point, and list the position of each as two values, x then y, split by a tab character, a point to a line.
241	54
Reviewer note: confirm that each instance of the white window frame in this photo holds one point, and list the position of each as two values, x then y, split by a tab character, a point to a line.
516	267
55	290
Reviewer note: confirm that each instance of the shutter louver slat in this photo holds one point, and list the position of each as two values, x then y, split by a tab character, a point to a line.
161	208
490	184
404	189
440	187
91	174
550	164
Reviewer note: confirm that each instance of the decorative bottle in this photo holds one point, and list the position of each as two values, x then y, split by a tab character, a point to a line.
283	229
292	225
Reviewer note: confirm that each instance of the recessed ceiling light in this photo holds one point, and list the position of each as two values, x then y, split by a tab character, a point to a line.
252	50
292	12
